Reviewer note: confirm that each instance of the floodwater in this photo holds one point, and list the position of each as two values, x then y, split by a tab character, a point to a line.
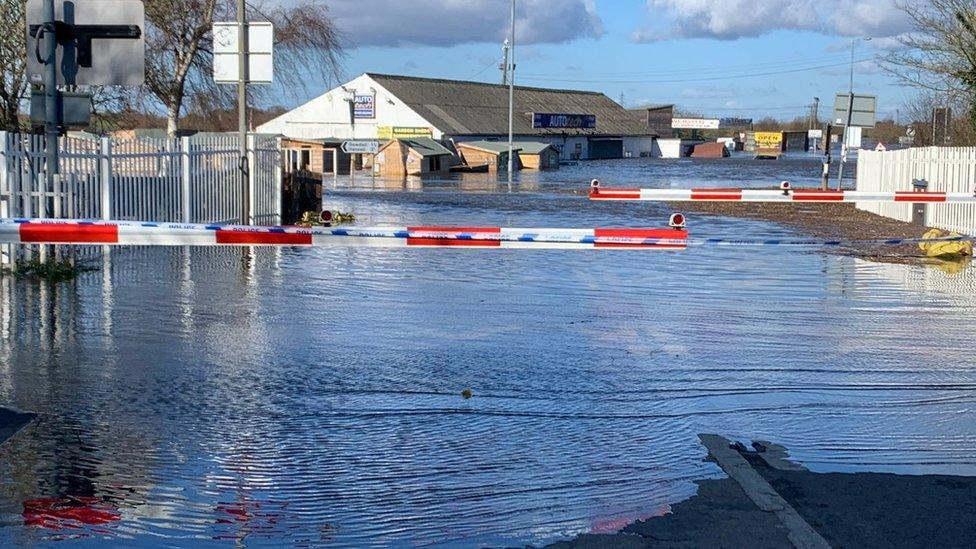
313	396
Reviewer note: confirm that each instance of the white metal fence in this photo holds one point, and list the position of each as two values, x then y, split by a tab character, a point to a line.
945	169
188	180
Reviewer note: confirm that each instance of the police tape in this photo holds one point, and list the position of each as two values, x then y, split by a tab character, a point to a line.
785	194
134	233
816	243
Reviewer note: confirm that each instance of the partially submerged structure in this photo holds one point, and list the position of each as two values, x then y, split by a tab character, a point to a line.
710	150
531	155
577	124
415	156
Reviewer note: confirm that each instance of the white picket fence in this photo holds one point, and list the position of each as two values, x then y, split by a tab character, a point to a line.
189	180
946	169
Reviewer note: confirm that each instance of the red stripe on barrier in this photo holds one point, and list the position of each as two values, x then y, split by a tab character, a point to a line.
615	194
69	233
428	241
908	196
246	237
816	195
716	194
658	234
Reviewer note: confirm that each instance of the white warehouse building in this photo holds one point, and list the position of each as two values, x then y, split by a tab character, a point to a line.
580	124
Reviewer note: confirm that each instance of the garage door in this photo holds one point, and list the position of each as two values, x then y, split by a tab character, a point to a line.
606	148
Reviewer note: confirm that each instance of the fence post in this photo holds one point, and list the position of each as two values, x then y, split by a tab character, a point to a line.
279	177
252	174
6	197
185	178
105	181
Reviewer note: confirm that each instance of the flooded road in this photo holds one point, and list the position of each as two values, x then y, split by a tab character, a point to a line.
313	396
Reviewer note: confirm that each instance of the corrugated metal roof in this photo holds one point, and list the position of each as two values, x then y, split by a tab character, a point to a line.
490	146
475	108
426	146
524	147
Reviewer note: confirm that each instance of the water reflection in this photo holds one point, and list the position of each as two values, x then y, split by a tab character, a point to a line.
310	396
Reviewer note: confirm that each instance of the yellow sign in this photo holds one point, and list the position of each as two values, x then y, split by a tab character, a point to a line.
397	132
769	141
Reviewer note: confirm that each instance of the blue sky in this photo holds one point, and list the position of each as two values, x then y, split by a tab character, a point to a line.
718	57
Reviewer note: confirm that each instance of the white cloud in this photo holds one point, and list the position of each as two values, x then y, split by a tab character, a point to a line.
733	19
452	22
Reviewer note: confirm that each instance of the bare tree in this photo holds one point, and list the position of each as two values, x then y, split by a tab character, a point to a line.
176	41
940	54
13	61
179	51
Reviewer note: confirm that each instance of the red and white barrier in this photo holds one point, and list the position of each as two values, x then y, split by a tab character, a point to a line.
785	195
121	233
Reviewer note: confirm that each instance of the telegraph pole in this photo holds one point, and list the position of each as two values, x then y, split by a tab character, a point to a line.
511	101
242	74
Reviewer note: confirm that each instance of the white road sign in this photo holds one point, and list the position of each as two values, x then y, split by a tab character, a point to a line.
260	44
695	123
365	146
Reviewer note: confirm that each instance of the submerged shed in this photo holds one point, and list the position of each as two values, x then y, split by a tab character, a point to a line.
531	155
710	150
414	156
490	154
538	156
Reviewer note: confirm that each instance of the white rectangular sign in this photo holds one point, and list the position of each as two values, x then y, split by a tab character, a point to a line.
366	146
695	123
815	134
260	45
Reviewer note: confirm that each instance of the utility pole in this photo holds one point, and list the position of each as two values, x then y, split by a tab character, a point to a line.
511	101
50	103
504	65
850	114
242	74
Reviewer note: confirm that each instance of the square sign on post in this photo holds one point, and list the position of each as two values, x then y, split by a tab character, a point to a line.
260	56
864	112
102	42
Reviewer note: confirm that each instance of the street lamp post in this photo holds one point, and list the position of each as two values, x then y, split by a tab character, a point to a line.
511	99
850	113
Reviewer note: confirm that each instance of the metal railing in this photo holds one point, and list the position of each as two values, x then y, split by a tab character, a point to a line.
188	180
946	169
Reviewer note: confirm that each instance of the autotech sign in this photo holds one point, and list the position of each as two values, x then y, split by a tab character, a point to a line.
365	106
568	121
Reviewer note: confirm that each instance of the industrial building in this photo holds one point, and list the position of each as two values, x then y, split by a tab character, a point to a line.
578	124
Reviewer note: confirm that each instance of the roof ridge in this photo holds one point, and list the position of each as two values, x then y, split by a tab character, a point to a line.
472	82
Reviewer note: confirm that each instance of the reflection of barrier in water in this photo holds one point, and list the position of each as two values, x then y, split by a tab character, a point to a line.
785	194
68	512
47	231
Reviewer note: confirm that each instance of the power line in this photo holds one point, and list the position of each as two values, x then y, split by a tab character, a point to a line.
680	80
724	68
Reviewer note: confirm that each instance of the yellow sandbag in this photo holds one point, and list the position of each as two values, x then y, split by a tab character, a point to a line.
945	249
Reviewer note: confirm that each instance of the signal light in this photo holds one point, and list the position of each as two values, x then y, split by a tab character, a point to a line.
595	184
326	217
677	221
785	187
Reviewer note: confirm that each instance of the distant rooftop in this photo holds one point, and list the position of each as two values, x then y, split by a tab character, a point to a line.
475	108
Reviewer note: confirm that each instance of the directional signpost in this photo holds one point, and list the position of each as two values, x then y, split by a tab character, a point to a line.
361	146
